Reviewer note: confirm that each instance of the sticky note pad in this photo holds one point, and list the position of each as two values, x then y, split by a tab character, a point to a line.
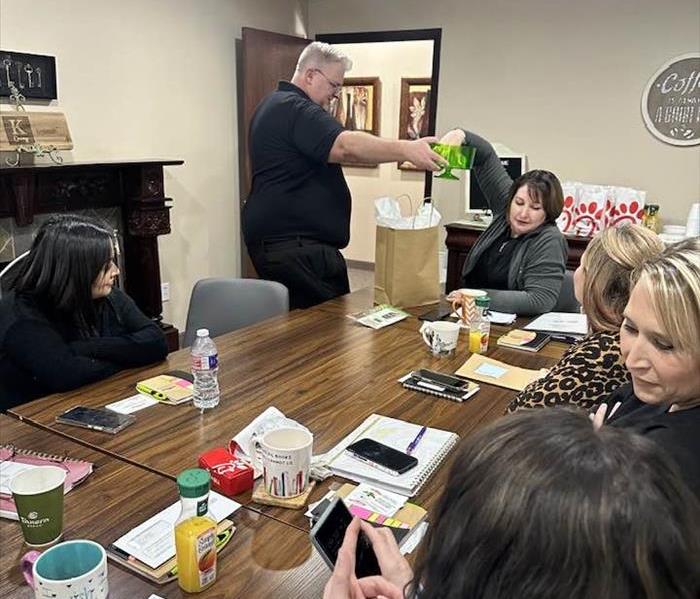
491	370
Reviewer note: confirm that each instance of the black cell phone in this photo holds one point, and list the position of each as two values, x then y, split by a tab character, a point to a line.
100	419
327	536
382	456
441	378
437	314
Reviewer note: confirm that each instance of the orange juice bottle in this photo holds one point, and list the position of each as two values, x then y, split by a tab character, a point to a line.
195	533
480	327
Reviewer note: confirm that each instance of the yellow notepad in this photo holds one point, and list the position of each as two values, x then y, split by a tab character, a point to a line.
494	372
166	388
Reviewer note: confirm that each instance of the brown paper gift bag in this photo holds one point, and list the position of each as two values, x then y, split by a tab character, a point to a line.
406	267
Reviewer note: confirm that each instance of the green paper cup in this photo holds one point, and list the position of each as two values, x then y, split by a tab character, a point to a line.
38	495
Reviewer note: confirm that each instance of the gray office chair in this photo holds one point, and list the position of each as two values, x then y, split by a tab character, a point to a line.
226	304
9	274
567	300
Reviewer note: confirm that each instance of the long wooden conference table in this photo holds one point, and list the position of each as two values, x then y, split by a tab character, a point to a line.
318	367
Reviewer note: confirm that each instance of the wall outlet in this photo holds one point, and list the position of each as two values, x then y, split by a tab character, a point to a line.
165	292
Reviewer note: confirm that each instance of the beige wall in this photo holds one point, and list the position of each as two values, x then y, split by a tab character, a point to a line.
560	80
152	79
389	61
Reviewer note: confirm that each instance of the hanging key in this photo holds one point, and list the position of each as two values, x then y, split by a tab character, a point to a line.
8	63
29	69
19	75
38	76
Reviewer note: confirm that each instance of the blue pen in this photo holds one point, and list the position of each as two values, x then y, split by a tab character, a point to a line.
413	444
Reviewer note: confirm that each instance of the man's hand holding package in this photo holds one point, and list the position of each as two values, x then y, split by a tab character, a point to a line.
420	154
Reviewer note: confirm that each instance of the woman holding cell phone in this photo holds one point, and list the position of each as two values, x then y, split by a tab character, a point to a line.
541	505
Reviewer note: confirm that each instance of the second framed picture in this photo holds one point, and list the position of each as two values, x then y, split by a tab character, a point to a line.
414	111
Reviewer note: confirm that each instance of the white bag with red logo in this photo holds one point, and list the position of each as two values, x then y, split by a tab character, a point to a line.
565	222
591	208
588	209
628	206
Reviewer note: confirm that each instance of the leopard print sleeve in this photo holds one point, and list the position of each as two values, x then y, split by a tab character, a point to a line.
587	373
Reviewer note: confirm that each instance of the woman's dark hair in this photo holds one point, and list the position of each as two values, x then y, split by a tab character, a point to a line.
544	187
68	253
542	506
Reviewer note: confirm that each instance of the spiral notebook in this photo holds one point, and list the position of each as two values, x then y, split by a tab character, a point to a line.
430	452
439	384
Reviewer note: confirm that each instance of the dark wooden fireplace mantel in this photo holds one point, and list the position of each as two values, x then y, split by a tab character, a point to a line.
136	186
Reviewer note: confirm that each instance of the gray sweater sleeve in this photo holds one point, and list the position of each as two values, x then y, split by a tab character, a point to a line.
492	177
539	277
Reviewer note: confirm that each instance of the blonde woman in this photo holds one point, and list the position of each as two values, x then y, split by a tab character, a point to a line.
593	368
660	343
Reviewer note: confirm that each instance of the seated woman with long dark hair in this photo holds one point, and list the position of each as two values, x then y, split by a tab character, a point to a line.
540	505
64	324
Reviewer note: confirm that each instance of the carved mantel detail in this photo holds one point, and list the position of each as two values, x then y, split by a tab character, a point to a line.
137	187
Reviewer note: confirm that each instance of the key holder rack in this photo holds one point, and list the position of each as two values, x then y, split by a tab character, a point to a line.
37	149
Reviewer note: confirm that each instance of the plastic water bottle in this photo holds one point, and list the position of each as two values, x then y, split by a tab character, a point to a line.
205	366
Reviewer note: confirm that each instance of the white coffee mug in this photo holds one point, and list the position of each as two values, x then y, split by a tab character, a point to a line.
286	457
441	336
70	569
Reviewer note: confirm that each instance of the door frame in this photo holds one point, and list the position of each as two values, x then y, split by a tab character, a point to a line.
405	35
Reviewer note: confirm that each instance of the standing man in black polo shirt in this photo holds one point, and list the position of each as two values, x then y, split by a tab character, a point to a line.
297	216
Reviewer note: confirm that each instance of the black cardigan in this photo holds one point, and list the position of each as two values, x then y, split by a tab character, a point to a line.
676	432
40	355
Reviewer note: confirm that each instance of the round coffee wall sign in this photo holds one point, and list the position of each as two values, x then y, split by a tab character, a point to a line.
671	101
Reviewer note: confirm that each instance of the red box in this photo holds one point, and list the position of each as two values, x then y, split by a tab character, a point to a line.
229	475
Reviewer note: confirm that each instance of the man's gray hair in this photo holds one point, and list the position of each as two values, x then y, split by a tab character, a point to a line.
318	54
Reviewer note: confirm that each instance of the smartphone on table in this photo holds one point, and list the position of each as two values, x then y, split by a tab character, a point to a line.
385	458
99	419
436	314
440	378
327	536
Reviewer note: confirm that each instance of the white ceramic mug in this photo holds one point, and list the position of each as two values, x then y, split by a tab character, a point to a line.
441	336
286	457
68	570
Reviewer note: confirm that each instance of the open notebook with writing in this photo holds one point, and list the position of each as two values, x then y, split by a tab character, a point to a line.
430	452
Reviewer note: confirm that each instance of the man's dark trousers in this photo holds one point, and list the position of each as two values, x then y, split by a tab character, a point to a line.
312	271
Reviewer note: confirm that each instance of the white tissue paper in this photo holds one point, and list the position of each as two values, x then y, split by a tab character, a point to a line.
387	213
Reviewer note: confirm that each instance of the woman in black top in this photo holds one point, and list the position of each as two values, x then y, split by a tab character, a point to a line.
520	259
64	325
660	343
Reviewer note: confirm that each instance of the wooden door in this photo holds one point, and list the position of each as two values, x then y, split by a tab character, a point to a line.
267	57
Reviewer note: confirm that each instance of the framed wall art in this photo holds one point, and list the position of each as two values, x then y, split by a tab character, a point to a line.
414	111
357	106
34	75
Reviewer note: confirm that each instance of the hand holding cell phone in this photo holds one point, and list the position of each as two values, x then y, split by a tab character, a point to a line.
344	583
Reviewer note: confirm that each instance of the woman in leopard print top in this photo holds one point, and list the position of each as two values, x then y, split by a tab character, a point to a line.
593	368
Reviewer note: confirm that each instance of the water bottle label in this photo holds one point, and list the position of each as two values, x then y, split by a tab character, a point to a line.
205	362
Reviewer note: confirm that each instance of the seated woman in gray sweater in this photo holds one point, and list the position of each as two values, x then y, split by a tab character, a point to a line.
520	259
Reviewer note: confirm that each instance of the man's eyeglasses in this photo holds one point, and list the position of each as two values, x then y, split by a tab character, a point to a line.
336	86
